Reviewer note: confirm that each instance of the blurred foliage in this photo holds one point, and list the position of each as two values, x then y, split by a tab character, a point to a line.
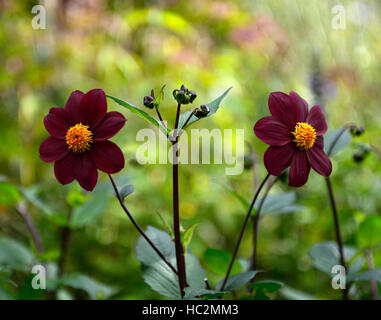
129	47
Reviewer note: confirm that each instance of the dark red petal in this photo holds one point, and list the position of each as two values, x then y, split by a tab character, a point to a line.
300	169
52	149
319	142
278	158
73	104
63	168
282	107
272	131
57	122
301	104
85	171
316	119
109	126
108	157
93	107
319	161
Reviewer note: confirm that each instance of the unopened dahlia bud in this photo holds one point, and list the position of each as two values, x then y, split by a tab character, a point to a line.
148	102
202	111
192	95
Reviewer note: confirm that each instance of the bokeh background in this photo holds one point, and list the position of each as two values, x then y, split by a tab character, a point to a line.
129	47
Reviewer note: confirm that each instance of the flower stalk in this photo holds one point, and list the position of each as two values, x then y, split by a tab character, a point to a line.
124	207
180	259
243	231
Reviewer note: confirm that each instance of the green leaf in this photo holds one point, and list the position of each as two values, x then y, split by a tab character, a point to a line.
367	275
95	289
369	232
188	234
213	107
293	294
279	203
325	255
9	194
159	97
144	252
242	200
140	113
264	289
343	142
203	293
89	212
237	280
218	261
126	190
157	274
31	194
15	254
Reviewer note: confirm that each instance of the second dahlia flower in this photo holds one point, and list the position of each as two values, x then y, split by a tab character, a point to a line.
295	136
79	144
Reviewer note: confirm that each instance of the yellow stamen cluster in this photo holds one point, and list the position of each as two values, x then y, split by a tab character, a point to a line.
79	138
305	135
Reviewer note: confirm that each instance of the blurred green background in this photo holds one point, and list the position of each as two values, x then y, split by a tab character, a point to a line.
129	47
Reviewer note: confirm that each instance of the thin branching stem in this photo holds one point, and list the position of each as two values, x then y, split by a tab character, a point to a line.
123	205
243	231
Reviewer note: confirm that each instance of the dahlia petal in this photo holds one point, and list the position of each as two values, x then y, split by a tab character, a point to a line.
278	158
319	161
300	169
272	131
63	168
72	106
109	126
301	104
52	149
319	142
57	122
316	119
85	171
93	107
108	157
282	107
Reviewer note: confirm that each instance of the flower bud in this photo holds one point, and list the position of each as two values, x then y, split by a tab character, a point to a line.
148	102
184	88
357	131
202	111
180	96
192	95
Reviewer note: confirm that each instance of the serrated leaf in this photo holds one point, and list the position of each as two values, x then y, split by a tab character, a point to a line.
367	275
203	293
157	274
342	142
140	113
213	107
325	255
95	289
89	212
188	234
369	232
14	254
279	204
237	281
126	190
294	294
264	289
218	261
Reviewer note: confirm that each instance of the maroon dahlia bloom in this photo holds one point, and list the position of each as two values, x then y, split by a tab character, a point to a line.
79	144
295	136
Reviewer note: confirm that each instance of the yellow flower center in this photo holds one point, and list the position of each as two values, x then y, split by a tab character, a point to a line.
78	138
305	135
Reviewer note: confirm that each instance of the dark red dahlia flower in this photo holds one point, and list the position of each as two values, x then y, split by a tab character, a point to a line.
79	144
295	136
